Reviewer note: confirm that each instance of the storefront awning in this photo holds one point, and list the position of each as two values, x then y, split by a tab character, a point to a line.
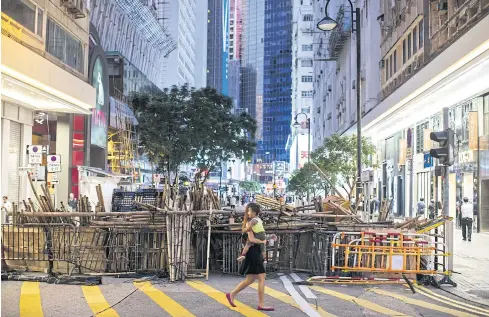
36	83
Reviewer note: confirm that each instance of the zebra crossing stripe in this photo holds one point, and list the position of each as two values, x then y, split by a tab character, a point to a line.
30	300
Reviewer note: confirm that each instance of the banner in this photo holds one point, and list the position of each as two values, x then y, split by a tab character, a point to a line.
473	130
402	152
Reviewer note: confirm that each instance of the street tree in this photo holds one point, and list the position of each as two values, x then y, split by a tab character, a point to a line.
162	127
307	181
185	125
250	186
219	135
337	157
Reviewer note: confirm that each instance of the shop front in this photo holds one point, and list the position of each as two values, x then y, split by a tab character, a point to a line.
39	101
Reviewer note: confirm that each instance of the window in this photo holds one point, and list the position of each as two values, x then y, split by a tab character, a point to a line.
486	115
64	47
307	79
307	17
395	61
404	51
306	48
306	93
25	13
306	62
421	33
409	53
390	65
386	69
415	40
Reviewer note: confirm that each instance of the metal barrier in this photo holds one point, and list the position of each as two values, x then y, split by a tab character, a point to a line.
391	252
65	248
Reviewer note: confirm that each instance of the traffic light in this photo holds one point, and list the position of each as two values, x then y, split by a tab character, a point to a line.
446	141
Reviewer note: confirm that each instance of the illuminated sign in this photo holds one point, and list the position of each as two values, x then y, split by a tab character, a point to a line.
99	112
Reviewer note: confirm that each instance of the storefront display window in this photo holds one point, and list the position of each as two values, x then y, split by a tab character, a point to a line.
486	115
78	155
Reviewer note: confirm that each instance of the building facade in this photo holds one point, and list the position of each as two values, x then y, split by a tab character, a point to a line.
299	140
180	19
418	57
277	81
46	96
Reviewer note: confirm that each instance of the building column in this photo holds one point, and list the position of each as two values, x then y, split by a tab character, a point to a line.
63	148
5	135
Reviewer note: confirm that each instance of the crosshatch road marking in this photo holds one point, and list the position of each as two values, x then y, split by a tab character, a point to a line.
420	303
286	298
164	301
96	300
220	297
30	300
471	308
361	302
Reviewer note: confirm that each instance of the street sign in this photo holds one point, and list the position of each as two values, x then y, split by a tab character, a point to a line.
34	149
409	144
428	160
54	163
35	158
54	181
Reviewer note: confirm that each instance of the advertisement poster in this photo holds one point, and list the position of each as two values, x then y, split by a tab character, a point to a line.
99	112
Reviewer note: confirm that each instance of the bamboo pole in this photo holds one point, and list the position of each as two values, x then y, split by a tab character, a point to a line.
208	246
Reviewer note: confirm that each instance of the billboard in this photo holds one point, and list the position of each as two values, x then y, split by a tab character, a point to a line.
99	112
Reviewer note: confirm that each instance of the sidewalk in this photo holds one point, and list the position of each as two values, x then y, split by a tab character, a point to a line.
471	260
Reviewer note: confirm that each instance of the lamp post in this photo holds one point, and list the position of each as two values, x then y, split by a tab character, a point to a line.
297	125
328	24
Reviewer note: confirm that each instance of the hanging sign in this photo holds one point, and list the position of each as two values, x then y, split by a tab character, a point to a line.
409	144
473	130
428	144
402	152
54	163
34	153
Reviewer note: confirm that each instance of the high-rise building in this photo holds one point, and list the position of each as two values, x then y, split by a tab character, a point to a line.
218	45
253	36
302	87
179	17
277	80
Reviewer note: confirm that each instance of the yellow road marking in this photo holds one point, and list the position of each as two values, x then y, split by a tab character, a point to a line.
30	300
362	302
164	301
286	298
220	297
472	308
420	303
96	300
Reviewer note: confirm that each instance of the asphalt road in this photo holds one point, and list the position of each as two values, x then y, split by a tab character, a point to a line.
156	297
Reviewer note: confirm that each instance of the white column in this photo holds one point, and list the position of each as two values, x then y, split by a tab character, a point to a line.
63	148
5	135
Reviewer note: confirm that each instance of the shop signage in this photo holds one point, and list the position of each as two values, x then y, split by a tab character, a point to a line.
99	118
366	176
466	157
409	144
427	143
402	152
473	130
34	153
54	163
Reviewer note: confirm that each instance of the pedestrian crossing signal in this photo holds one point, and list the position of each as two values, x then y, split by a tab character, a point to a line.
446	141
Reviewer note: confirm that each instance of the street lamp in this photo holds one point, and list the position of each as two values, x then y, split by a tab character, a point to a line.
328	24
297	125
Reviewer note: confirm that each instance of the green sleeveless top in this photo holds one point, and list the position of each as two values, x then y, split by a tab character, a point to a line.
258	227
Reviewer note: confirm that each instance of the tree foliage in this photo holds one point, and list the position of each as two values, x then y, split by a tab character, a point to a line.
307	180
185	125
250	186
337	157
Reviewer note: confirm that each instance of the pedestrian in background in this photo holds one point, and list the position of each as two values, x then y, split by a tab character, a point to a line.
432	210
421	207
467	211
233	202
6	208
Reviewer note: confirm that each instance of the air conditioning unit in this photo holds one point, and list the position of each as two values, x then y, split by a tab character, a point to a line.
329	88
329	116
75	7
382	64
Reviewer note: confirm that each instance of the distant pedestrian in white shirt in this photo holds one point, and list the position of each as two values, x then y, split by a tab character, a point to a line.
6	208
233	202
467	211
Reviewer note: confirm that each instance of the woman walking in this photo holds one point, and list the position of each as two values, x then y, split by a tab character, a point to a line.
253	265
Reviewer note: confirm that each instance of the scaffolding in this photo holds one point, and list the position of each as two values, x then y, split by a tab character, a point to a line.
122	148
